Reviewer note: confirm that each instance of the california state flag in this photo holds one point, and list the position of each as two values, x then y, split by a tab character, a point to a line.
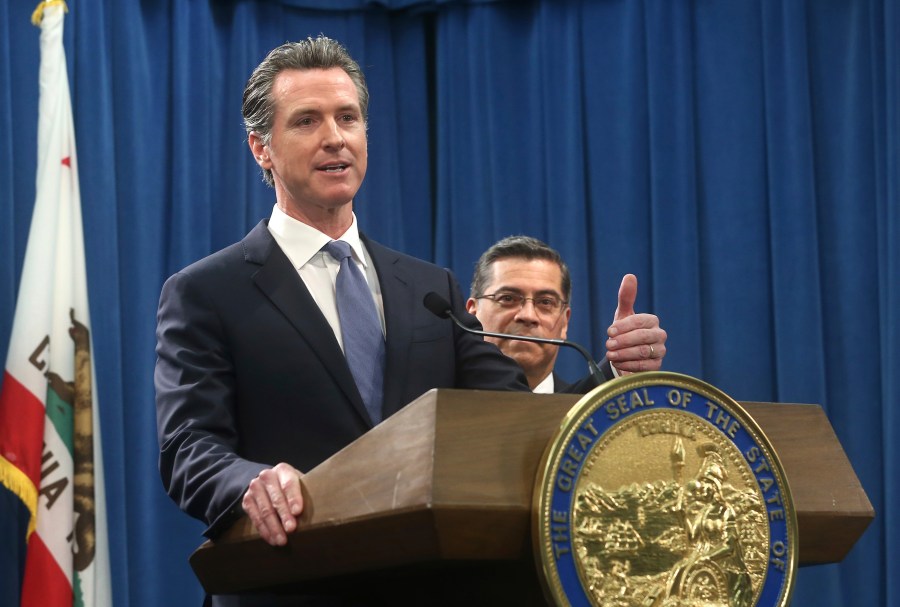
54	548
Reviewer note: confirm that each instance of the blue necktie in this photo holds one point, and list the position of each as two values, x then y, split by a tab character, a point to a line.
360	328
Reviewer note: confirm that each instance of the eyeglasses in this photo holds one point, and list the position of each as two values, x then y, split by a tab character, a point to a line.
544	304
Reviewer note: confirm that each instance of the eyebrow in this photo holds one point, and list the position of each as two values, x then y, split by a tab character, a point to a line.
309	109
518	291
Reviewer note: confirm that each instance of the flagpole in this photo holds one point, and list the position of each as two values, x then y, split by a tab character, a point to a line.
49	420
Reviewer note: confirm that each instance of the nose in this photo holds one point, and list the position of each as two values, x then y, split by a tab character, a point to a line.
334	139
527	313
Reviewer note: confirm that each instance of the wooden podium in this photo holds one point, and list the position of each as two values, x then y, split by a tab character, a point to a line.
437	501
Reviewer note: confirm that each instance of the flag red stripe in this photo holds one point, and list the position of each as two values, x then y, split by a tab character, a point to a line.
21	427
45	585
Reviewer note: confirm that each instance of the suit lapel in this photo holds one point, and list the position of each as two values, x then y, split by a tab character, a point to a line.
279	281
397	299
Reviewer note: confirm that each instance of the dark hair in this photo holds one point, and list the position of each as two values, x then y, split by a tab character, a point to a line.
518	247
321	52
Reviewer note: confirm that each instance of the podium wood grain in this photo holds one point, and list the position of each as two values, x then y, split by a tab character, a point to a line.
446	485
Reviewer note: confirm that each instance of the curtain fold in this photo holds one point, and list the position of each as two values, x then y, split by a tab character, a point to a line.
393	5
742	159
720	156
886	66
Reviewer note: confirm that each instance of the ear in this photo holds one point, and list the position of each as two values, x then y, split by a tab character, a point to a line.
471	306
565	323
260	151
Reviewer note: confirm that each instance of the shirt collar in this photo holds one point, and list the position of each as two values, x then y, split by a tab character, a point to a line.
547	386
301	242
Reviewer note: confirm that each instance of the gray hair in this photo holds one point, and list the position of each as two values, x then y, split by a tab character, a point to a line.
517	247
321	52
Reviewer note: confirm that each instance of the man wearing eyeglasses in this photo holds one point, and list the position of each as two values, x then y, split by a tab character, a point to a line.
521	286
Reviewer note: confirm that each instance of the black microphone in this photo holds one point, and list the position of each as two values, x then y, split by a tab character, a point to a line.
440	307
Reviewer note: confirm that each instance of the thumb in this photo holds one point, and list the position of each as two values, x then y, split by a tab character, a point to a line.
627	295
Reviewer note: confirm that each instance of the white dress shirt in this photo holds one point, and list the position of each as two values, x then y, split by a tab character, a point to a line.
545	387
318	270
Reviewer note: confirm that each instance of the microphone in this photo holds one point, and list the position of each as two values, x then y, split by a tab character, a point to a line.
440	307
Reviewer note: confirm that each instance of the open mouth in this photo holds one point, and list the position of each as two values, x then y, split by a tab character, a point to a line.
334	168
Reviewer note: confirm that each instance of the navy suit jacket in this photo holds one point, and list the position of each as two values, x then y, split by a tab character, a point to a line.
249	373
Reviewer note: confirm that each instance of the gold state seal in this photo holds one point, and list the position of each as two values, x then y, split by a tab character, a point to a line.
659	490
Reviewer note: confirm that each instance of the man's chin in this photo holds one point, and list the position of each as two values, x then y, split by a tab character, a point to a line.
523	351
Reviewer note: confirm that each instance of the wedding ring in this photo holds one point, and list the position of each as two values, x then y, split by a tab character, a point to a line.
652	351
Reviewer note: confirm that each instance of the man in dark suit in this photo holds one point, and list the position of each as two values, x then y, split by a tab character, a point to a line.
252	382
521	286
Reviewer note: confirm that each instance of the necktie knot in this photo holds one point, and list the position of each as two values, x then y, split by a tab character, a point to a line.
338	249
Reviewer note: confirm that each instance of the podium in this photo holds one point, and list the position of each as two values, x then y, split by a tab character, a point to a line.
436	502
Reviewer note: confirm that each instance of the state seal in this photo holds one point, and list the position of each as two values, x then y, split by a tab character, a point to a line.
658	490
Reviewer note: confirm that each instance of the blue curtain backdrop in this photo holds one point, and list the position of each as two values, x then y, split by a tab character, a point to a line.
742	158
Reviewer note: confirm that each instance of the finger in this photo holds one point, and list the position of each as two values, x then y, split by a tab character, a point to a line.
258	506
639	358
654	351
638	350
637	366
636	337
289	479
620	328
248	503
278	499
627	296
